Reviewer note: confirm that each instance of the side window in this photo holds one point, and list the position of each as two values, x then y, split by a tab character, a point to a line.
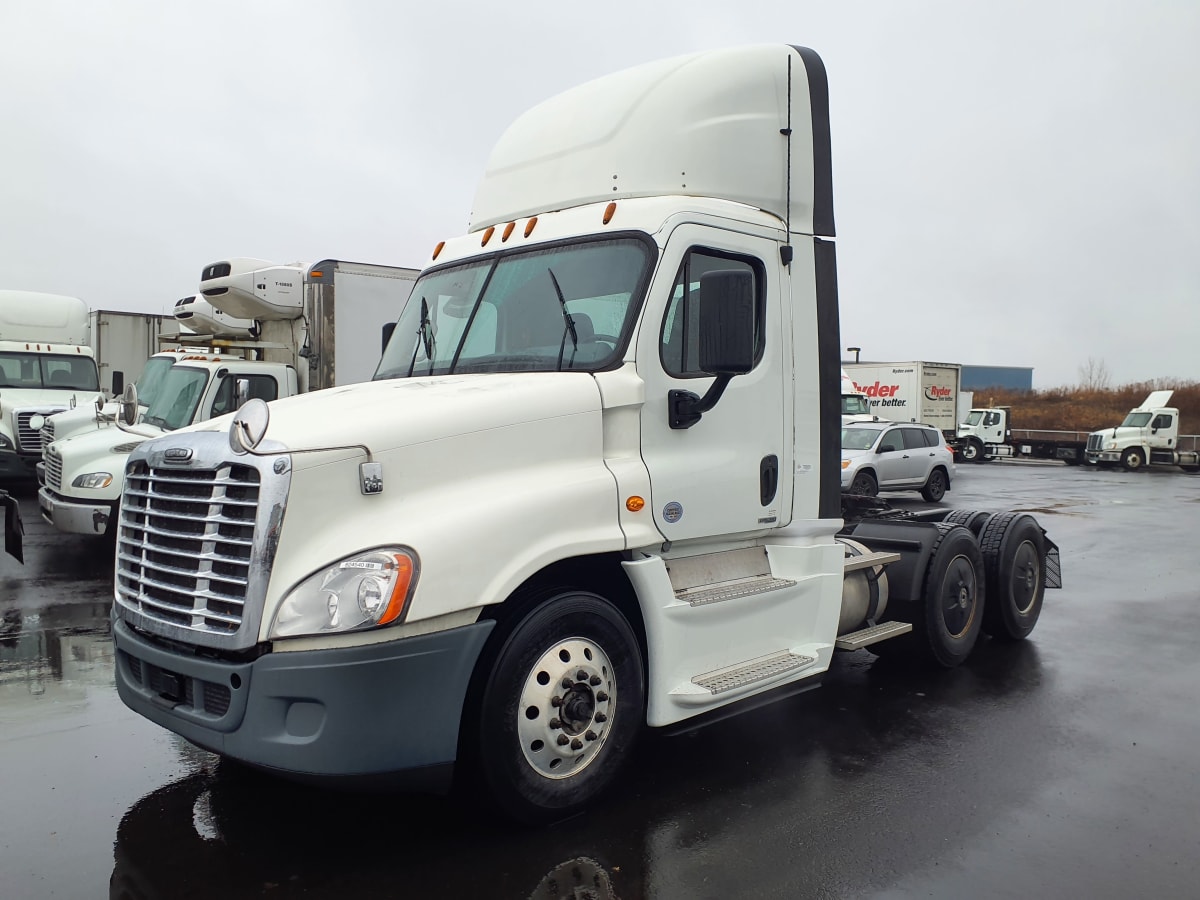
1162	420
890	442
679	340
914	438
223	399
932	438
262	387
991	418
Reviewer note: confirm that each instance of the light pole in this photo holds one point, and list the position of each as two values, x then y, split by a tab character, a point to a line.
855	351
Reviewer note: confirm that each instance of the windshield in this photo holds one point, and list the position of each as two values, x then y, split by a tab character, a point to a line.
44	371
859	438
151	380
565	307
175	403
855	405
974	417
1136	420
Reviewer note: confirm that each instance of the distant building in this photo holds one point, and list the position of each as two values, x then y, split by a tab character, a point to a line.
1016	378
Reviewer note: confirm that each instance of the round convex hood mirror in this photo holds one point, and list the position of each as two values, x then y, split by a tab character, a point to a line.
129	404
36	421
249	426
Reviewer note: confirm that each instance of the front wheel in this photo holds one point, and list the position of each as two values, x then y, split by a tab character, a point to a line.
864	485
563	704
971	451
1133	458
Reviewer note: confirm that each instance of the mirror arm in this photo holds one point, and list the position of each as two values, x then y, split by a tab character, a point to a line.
685	407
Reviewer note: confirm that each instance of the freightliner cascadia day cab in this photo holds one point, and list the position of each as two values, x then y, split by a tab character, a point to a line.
593	487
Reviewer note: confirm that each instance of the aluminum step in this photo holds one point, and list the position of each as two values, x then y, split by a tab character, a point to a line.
731	590
880	558
864	637
761	669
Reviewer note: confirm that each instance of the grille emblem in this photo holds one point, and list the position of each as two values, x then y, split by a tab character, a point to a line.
177	454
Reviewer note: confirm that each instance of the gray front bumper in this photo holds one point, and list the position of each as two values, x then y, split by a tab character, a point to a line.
73	517
377	710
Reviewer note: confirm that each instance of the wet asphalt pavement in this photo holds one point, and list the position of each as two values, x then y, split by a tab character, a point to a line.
1064	766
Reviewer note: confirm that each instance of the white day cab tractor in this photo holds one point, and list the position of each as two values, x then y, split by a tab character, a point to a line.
1149	436
593	487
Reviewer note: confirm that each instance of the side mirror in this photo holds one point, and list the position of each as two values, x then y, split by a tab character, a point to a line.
241	392
388	328
118	383
129	404
726	342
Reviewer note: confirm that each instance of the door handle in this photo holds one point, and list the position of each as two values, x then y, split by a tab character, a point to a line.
768	479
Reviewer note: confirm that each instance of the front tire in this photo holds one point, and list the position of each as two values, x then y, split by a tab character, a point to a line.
864	485
972	451
1133	458
563	704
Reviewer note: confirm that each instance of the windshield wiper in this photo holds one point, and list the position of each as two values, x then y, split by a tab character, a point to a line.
428	342
562	304
160	421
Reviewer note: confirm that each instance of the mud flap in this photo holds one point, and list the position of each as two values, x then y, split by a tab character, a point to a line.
13	529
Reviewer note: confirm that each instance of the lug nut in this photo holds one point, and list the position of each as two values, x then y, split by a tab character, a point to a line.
601	717
556	723
591	735
567	684
595	680
576	744
601	696
563	740
581	675
556	702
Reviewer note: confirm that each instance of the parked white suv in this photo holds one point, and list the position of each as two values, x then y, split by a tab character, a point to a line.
886	456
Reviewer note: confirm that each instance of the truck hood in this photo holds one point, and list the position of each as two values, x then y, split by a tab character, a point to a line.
36	398
1116	434
386	415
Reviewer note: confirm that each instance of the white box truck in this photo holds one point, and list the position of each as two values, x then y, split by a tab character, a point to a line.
925	392
46	365
122	342
328	320
593	486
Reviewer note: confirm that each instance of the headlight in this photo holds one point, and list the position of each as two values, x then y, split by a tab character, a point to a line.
5	443
363	591
93	480
1112	445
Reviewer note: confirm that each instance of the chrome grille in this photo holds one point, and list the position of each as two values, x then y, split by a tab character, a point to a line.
29	439
185	544
54	469
1095	441
47	434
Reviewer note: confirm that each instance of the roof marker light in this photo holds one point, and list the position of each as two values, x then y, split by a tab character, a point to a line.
508	230
438	249
487	235
529	226
609	211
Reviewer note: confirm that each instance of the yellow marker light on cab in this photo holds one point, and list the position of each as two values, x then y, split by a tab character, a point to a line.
438	249
635	504
845	463
487	235
609	212
507	231
530	225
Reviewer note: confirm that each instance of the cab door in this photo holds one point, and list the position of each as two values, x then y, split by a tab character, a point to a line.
730	472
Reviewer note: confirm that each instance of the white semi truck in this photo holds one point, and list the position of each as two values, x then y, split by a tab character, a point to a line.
987	433
231	361
856	406
1149	436
47	365
926	392
594	485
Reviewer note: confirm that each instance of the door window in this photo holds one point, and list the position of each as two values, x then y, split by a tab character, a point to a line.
680	337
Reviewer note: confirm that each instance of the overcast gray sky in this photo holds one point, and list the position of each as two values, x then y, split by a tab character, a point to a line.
1015	183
